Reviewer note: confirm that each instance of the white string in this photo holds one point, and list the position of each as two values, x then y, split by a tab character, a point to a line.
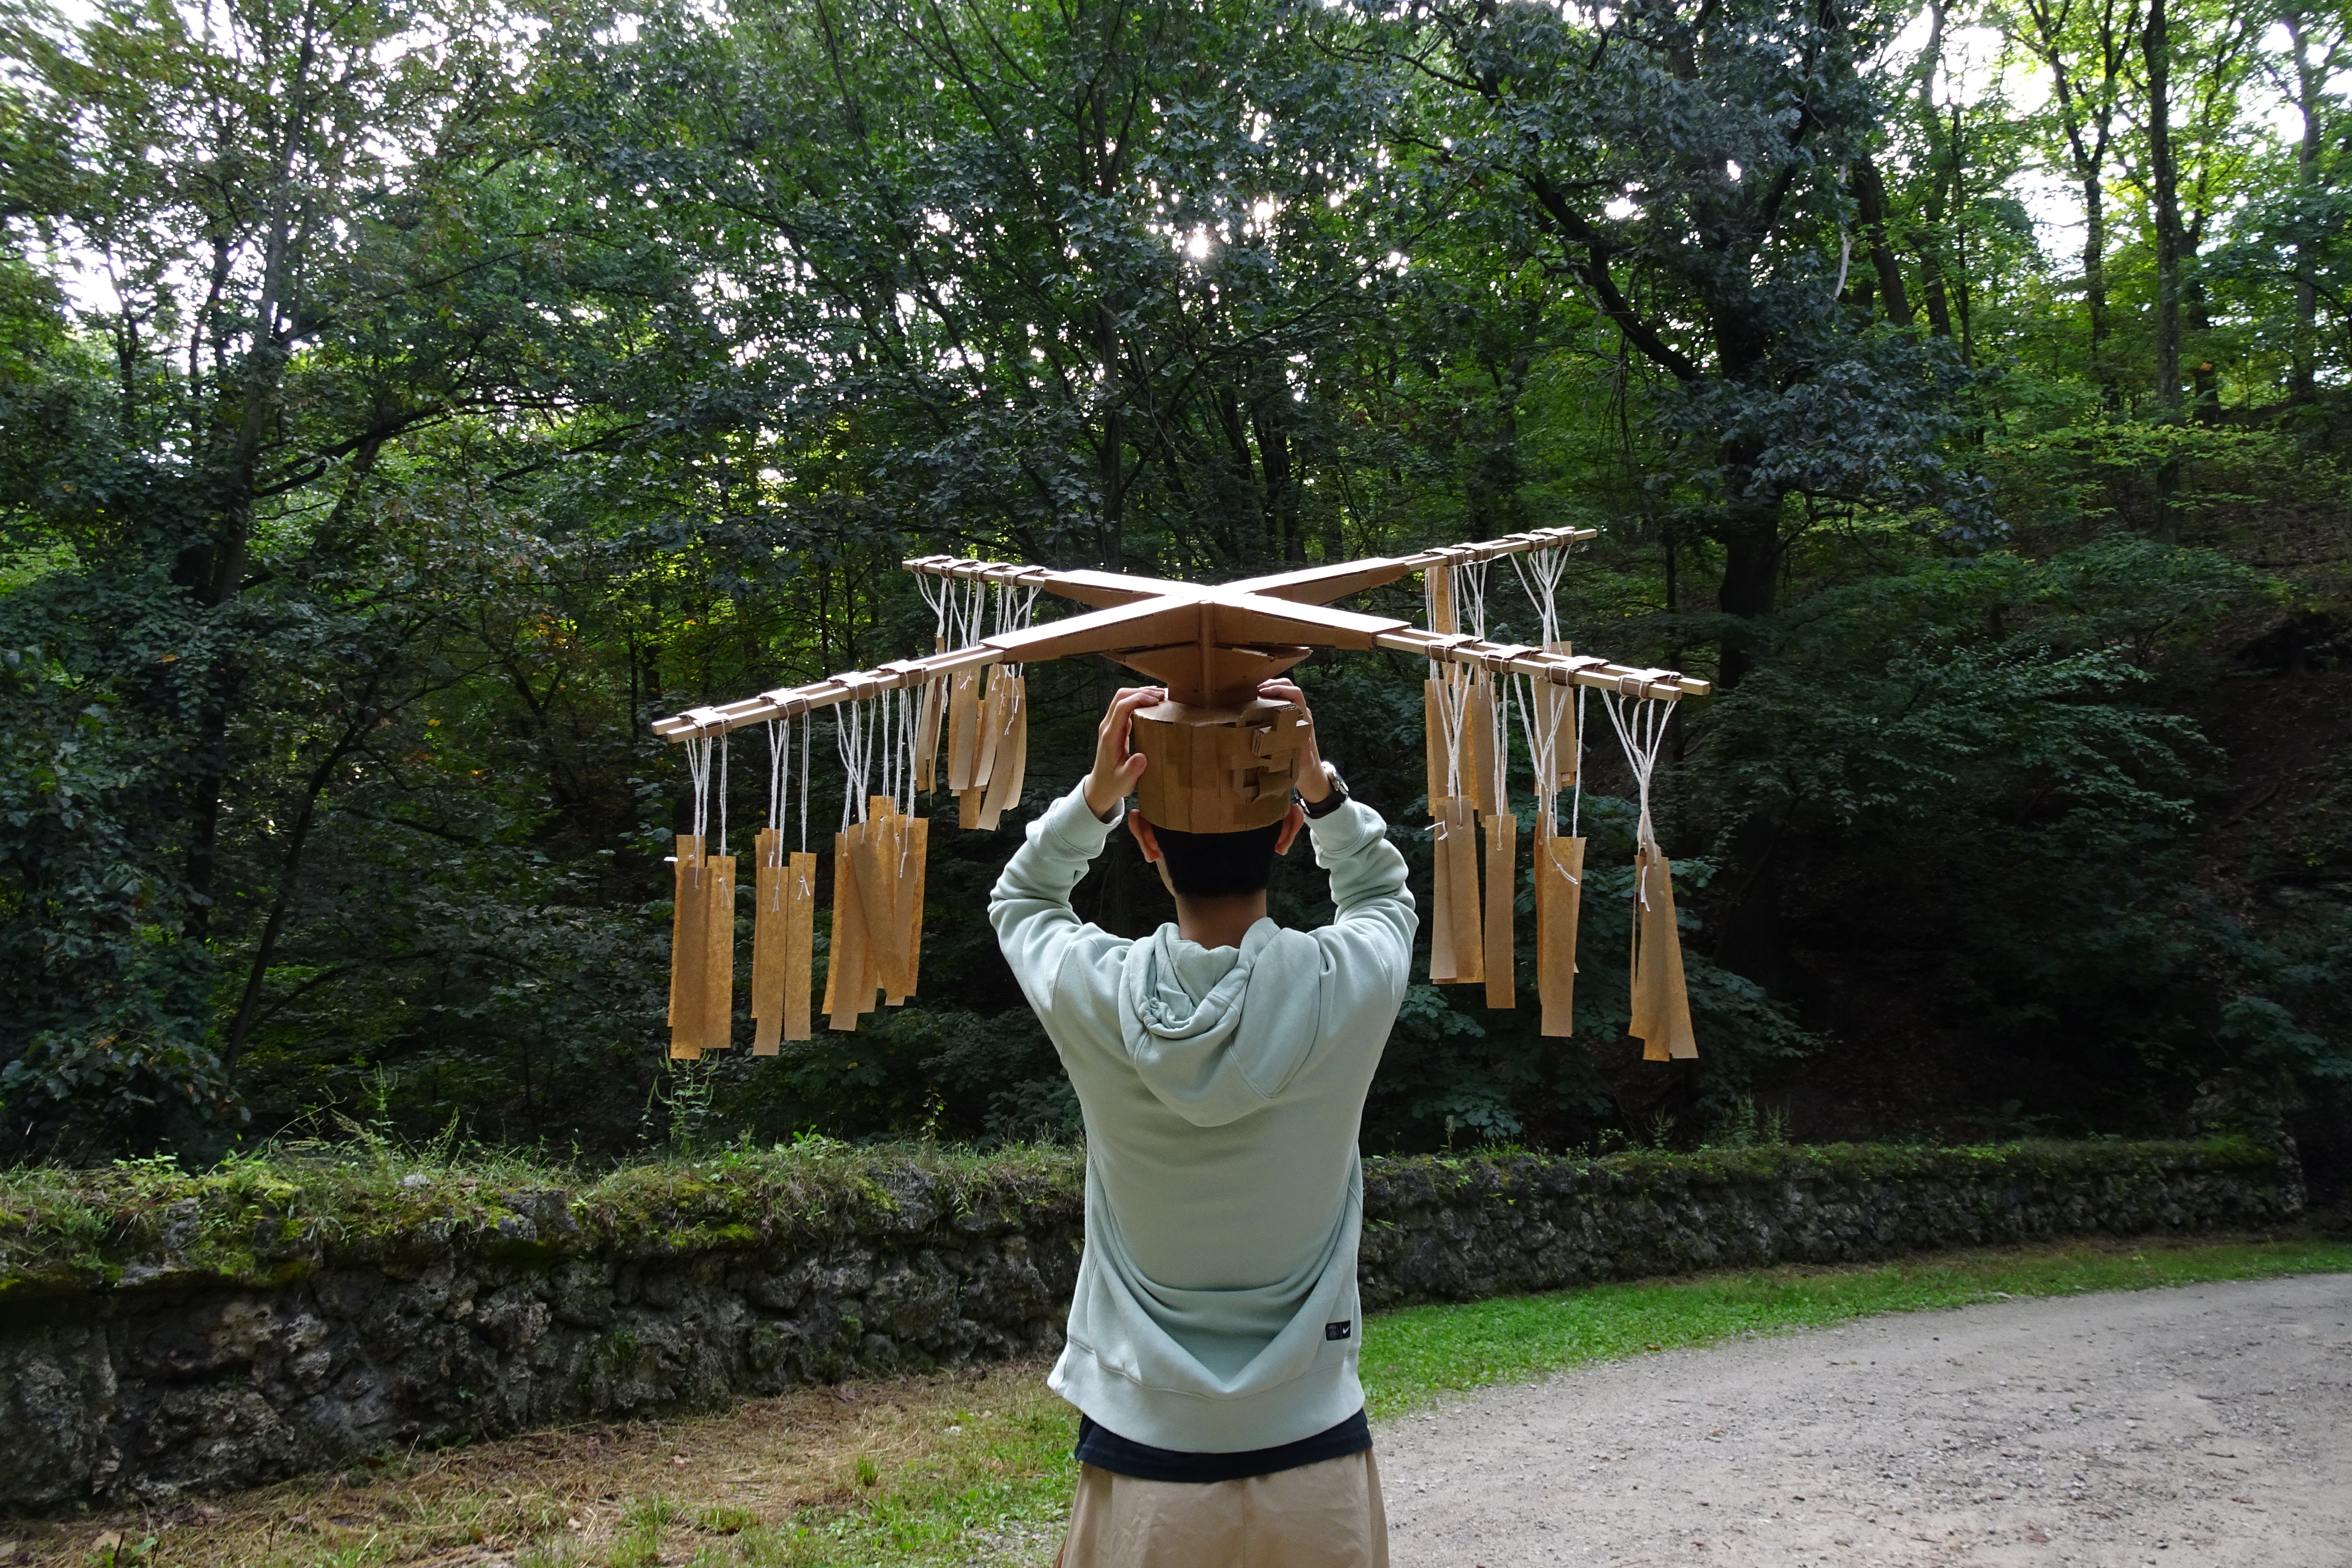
1641	735
697	773
848	743
902	760
1452	713
1543	744
938	601
780	780
780	772
1539	577
722	792
1502	742
1452	695
1575	803
808	766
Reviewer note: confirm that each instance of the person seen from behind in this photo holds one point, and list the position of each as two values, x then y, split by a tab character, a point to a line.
1221	1064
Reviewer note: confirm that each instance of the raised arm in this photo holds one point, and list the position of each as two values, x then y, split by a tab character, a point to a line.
1068	967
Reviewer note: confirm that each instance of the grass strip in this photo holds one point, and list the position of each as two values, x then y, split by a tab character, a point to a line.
973	1468
1423	1353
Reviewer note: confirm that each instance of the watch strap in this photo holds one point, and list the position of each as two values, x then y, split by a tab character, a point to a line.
1330	803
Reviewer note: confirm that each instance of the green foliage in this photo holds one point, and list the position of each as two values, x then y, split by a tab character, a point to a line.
400	405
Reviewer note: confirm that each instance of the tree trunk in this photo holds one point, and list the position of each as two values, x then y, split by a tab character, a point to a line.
2095	279
1750	585
2164	175
1870	199
2303	381
1109	540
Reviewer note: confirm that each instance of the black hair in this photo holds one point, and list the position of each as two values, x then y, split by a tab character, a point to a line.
1218	865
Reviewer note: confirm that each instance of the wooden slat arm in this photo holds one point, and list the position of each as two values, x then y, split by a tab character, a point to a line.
1559	669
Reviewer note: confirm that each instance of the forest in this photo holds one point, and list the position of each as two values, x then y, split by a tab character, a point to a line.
402	403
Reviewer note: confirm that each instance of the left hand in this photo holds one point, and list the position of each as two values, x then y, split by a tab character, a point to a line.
1117	765
1314	783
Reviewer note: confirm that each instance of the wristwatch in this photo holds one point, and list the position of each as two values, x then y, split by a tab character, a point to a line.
1330	803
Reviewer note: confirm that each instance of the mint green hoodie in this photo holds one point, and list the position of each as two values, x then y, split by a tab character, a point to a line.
1222	1089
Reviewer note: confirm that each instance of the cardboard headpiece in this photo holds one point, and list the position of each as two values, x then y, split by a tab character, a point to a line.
1218	769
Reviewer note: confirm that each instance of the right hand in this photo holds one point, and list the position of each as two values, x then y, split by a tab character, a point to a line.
1314	783
1118	765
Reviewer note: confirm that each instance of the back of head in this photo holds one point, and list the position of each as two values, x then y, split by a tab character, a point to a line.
1218	865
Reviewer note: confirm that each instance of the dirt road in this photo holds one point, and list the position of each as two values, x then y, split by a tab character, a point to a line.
2207	1426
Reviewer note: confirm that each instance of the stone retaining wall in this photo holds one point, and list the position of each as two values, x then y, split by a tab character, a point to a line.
227	1331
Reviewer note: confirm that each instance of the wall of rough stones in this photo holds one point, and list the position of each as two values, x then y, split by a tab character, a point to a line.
241	1334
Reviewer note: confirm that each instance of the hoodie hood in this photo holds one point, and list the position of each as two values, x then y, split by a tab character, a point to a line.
1211	1041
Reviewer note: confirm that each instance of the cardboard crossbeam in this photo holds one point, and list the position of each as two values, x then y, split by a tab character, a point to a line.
1224	759
1140	614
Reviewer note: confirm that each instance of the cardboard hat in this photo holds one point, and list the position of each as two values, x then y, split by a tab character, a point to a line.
1221	769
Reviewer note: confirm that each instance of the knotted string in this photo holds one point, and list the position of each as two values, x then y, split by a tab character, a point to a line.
1641	726
1539	577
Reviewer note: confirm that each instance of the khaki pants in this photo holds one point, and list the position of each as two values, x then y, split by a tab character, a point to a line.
1324	1515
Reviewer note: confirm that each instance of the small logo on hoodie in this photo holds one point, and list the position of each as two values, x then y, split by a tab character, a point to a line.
1340	1330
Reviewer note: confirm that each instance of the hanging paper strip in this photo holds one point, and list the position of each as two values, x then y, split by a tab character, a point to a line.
1558	704
963	728
768	917
1009	758
992	724
718	965
929	715
916	843
1502	890
849	967
1442	960
874	862
1433	730
800	942
1481	777
1560	893
1455	900
971	786
1661	1005
689	952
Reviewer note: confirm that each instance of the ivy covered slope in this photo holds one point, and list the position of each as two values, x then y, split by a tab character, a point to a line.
270	1222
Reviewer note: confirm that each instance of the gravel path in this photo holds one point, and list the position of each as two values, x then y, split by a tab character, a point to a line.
2210	1425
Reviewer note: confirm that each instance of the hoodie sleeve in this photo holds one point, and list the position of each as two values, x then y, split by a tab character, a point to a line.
1070	969
1368	946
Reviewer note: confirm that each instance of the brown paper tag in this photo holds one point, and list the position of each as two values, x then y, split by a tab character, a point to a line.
930	717
1440	579
1461	893
1010	761
690	950
718	971
847	965
1443	963
768	920
1661	1003
1478	725
1502	893
910	900
1559	871
991	728
1562	720
800	943
1433	730
963	728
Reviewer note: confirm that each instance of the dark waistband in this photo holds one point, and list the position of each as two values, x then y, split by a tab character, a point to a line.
1106	1450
